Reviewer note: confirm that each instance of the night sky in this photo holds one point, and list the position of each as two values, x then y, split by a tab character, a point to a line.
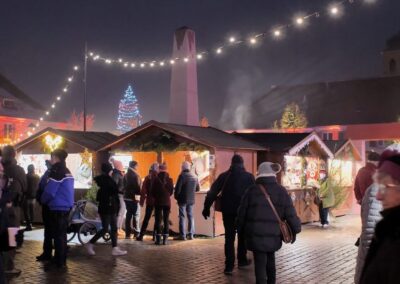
40	41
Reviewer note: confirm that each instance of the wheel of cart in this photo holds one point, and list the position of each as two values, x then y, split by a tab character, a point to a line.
86	232
90	223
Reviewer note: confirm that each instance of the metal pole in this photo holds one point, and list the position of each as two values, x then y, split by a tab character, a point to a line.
85	89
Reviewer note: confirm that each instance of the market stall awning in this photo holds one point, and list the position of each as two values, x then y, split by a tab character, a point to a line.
91	140
344	149
207	136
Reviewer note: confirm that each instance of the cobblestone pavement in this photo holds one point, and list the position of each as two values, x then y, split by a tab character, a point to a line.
318	256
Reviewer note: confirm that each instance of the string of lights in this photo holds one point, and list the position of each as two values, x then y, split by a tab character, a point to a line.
68	81
278	32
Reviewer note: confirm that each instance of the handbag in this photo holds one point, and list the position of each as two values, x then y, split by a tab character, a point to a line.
218	200
287	234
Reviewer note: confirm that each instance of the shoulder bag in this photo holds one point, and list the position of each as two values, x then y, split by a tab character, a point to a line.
217	202
287	234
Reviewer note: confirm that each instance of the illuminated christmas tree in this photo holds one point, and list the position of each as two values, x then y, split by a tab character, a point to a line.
129	116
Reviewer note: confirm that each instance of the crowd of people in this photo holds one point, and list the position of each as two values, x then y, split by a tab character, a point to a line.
253	210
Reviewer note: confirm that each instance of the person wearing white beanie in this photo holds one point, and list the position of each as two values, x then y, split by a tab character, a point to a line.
256	219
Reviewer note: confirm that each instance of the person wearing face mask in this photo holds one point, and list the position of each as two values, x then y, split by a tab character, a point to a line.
383	258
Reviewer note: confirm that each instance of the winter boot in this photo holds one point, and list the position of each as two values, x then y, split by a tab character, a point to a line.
165	239
158	239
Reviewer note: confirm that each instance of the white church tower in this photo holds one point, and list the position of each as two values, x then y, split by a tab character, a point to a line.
183	105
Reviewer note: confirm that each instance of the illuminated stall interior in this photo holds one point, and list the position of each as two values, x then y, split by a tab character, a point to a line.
81	147
343	169
304	160
209	150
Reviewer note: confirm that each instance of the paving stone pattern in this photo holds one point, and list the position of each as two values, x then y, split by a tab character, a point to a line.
318	256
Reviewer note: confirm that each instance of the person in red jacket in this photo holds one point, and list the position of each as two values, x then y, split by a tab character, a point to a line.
364	176
145	196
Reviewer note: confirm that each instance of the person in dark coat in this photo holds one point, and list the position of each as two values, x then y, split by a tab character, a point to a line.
17	182
58	195
232	184
118	177
185	190
383	257
132	185
5	205
145	196
107	197
29	196
48	241
258	222
17	186
161	190
364	176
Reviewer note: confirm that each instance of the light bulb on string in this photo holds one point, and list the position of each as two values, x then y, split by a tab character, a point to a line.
108	61
277	33
76	67
199	56
41	119
91	54
120	60
162	63
152	64
172	62
53	106
47	113
133	65
232	39
186	60
58	98
70	79
65	90
125	64
142	65
219	50
253	40
300	21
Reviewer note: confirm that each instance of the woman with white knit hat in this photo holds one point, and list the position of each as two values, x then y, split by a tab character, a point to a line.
260	225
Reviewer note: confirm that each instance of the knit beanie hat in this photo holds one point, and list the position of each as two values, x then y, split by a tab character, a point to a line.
106	168
268	169
8	153
389	163
185	166
60	153
163	167
133	164
373	156
237	159
118	165
154	167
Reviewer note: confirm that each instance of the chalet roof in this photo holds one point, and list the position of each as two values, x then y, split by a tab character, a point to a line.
290	143
91	139
363	101
17	93
276	142
208	136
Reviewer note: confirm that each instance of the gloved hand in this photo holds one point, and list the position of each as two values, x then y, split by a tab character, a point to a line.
294	238
206	213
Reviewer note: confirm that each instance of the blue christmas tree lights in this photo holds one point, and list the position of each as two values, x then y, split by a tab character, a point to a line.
129	116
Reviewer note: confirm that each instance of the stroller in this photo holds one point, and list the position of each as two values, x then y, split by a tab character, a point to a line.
84	221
